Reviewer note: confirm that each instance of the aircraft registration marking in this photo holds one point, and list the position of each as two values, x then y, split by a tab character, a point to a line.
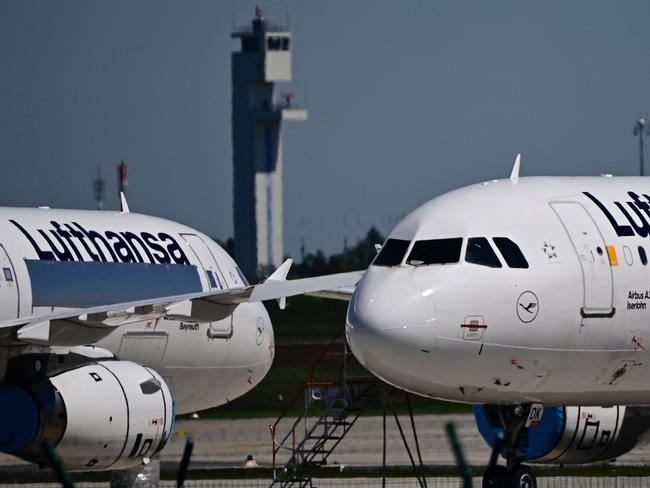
638	299
535	415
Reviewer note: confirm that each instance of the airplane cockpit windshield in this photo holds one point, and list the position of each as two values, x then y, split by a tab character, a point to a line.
435	251
480	252
510	252
392	253
242	277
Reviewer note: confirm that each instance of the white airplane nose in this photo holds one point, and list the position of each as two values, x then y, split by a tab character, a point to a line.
389	320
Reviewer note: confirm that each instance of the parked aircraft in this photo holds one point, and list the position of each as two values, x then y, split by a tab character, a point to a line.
529	298
113	322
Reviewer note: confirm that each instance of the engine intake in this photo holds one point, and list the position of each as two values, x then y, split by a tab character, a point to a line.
102	415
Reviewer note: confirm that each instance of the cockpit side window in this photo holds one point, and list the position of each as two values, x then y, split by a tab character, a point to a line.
392	253
511	252
242	277
480	252
435	251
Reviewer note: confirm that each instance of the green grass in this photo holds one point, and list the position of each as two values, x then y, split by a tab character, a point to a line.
307	319
267	399
272	396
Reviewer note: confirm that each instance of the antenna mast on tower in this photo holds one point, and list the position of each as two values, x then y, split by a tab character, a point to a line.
122	178
98	188
640	129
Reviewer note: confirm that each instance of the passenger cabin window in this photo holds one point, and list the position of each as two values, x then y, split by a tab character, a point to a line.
643	256
510	252
435	251
480	252
392	253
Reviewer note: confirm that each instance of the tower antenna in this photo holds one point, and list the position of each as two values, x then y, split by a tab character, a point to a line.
98	188
641	129
122	178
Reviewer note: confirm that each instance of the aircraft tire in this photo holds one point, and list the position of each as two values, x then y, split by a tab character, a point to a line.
522	477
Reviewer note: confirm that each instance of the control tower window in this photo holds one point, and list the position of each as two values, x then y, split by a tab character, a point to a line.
435	251
249	44
480	252
274	43
285	43
511	252
392	253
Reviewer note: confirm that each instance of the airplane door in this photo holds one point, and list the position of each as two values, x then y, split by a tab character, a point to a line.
9	299
213	277
592	254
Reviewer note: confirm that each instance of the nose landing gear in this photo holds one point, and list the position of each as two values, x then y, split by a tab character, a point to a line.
512	445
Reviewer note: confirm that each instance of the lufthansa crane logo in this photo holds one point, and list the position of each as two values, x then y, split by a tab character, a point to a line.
527	306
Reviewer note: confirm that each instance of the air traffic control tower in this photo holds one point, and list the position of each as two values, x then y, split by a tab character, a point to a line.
264	58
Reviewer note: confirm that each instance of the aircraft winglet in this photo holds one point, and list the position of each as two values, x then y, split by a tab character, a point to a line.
280	274
514	176
123	204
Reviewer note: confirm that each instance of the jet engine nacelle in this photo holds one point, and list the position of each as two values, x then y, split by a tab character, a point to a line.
577	435
102	415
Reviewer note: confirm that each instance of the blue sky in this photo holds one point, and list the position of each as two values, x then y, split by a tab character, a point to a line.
406	100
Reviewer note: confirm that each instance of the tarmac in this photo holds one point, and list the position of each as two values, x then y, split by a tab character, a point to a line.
226	443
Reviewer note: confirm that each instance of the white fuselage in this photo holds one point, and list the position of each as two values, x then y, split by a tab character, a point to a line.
573	327
49	262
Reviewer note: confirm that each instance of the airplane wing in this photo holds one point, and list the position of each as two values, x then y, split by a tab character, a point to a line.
339	293
88	325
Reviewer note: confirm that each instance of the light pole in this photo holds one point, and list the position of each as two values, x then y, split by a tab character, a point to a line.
640	129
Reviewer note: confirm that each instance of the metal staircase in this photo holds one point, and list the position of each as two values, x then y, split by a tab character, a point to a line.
342	407
331	408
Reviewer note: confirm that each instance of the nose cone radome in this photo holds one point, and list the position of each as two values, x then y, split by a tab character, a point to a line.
390	319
